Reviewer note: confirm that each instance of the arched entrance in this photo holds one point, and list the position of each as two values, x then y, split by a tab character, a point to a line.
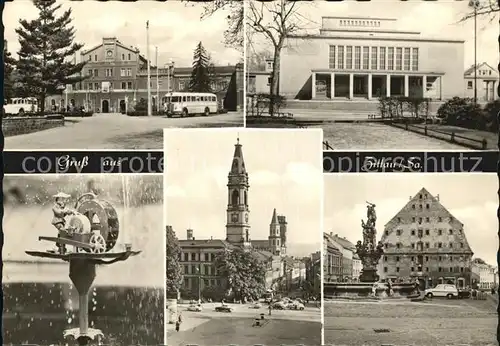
105	106
122	106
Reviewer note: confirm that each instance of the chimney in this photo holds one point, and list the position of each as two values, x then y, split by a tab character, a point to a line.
437	197
189	235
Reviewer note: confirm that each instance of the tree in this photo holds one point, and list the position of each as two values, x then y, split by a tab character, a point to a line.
483	7
246	274
174	275
275	20
200	75
8	78
256	61
47	45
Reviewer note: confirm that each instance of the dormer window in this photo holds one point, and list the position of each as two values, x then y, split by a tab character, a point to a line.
269	65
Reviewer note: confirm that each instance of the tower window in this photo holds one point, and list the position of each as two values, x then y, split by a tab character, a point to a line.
235	197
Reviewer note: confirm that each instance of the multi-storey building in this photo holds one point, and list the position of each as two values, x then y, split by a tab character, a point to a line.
487	82
357	267
198	255
348	251
332	261
483	274
116	79
365	58
424	241
313	271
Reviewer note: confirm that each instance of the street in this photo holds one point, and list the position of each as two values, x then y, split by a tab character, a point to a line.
291	327
434	323
115	131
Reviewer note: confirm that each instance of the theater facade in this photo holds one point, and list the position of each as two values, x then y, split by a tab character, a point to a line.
367	58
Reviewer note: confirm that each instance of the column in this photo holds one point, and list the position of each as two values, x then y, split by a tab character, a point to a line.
313	82
407	85
424	86
332	86
388	86
441	87
370	86
351	86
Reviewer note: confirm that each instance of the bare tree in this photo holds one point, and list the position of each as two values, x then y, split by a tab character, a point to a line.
275	20
256	60
483	8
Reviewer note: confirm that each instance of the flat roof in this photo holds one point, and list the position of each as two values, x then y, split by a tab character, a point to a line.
362	18
406	39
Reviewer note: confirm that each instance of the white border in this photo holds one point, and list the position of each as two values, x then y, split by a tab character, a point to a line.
164	213
322	255
244	64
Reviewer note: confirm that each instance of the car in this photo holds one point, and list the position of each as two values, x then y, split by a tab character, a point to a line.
279	306
442	290
255	306
223	308
196	308
296	306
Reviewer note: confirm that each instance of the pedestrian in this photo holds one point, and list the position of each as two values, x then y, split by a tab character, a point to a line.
270	308
177	326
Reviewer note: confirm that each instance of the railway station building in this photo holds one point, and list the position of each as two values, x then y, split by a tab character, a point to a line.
365	58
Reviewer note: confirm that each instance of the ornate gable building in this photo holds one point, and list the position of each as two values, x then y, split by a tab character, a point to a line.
198	255
424	241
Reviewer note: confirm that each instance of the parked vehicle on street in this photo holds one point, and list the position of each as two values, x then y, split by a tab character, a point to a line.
223	308
19	105
279	306
443	290
196	308
296	305
256	305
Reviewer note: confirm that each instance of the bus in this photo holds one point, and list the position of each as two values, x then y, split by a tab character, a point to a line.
190	103
18	105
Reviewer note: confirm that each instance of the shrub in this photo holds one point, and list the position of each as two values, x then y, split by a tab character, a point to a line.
395	107
491	111
141	105
461	112
260	103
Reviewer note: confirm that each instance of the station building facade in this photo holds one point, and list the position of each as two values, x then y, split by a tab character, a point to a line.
365	58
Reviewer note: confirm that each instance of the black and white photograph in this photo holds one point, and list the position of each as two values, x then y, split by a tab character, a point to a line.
82	260
410	259
112	75
244	217
376	75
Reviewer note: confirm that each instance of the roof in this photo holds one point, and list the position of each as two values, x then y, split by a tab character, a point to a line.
205	243
260	243
263	255
477	66
238	165
344	242
226	69
129	48
274	218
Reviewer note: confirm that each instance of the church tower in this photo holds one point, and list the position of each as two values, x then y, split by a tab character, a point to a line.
275	235
237	227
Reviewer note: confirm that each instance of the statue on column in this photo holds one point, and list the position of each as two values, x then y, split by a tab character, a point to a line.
368	250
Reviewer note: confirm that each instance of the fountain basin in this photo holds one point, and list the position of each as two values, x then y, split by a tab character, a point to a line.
364	289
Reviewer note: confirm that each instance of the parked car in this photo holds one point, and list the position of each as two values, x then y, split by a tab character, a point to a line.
279	306
443	290
296	305
223	308
196	308
256	305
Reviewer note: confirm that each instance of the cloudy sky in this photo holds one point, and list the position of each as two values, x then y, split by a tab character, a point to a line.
175	27
284	170
471	198
435	19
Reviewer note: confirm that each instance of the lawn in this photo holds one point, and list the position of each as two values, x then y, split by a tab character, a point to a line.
239	331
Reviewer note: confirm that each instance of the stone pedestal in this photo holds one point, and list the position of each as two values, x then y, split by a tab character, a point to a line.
368	275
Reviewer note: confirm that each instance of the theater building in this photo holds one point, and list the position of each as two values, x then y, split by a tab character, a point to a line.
425	242
366	58
116	78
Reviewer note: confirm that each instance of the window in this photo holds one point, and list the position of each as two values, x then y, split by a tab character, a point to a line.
414	59
440	245
348	58
451	269
186	269
426	269
123	56
412	219
427	206
419	220
399	219
129	56
109	72
366	58
374	58
340	57
469	85
407	59
461	269
462	245
412	245
427	219
357	58
382	59
451	231
269	80
124	85
95	57
440	269
186	257
399	58
412	232
397	269
413	206
129	72
427	232
332	57
427	258
397	258
412	269
193	257
440	258
390	58
385	258
129	85
386	232
398	245
420	206
90	86
385	269
122	72
96	73
451	245
181	85
96	86
427	245
440	232
440	219
90	73
90	57
398	232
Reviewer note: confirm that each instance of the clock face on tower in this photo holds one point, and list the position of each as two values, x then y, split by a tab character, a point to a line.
234	217
109	53
246	217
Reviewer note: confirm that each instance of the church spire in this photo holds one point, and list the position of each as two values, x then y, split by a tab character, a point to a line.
274	219
238	165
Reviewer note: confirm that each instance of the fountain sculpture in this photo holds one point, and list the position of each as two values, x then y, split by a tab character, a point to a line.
369	251
92	232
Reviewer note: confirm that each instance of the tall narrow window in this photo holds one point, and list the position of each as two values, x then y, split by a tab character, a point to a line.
414	59
399	58
407	59
340	57
348	58
382	59
332	57
390	58
366	58
374	58
357	58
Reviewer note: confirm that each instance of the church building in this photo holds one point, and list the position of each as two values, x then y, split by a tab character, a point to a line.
198	255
